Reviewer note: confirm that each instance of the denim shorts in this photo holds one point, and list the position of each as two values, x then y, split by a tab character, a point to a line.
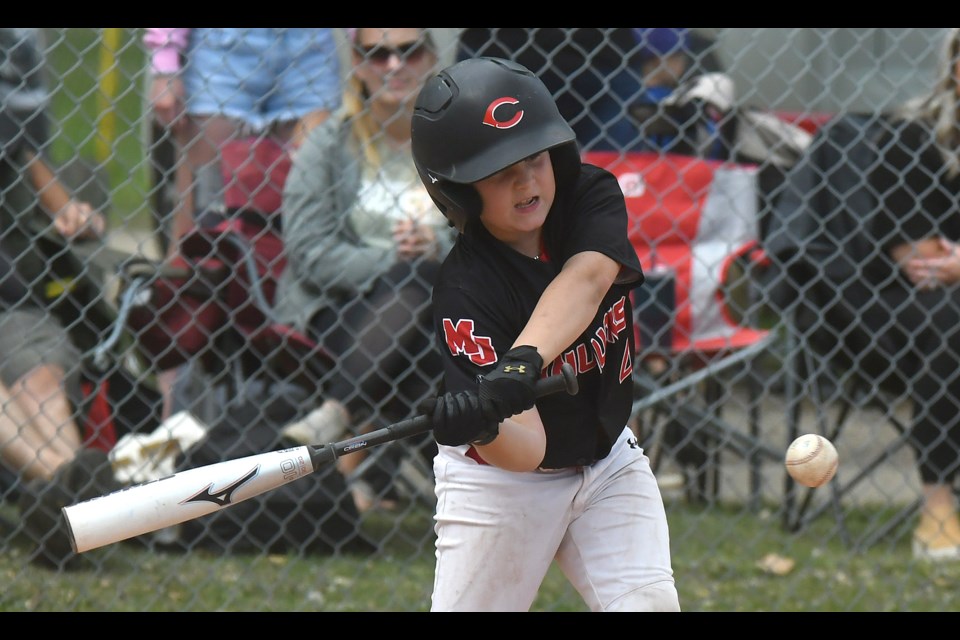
261	75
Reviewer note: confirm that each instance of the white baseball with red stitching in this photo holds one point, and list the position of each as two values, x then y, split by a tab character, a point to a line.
812	460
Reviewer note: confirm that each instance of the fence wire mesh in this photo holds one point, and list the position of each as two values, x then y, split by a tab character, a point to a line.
749	159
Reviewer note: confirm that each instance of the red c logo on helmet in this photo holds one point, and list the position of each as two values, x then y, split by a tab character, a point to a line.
491	120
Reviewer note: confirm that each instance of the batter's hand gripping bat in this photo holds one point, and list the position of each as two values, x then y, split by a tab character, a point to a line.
190	494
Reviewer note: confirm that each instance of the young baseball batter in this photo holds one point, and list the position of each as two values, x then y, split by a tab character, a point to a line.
540	275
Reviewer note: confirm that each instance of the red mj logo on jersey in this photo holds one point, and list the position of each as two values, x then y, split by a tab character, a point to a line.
460	340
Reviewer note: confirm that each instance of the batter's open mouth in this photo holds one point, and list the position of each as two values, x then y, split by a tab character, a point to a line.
528	203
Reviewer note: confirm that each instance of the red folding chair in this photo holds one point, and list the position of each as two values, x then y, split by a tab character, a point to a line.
212	301
694	225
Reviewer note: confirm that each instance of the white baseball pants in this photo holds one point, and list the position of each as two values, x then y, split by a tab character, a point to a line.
498	531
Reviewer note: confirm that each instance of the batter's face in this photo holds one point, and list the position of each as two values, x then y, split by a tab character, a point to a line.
516	202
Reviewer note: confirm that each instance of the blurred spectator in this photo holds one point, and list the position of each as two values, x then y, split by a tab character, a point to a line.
917	280
212	85
688	105
364	242
40	442
683	97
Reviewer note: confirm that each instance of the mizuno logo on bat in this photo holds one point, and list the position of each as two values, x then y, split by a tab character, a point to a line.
224	496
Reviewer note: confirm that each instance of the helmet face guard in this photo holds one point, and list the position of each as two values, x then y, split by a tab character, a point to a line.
478	117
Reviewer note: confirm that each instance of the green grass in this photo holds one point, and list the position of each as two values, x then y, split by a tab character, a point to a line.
716	551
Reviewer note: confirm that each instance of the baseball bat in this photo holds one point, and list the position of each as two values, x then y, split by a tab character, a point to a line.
193	493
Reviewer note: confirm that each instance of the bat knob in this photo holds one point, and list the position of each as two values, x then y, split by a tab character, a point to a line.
570	379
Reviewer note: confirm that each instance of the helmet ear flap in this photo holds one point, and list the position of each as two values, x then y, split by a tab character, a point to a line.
566	163
465	195
458	202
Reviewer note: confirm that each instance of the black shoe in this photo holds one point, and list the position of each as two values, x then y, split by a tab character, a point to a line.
87	476
40	503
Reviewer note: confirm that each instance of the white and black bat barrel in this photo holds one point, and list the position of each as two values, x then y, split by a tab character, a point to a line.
159	504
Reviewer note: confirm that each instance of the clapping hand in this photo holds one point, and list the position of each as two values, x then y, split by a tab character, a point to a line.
413	239
932	272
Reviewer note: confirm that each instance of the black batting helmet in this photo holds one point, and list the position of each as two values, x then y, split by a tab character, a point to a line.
478	117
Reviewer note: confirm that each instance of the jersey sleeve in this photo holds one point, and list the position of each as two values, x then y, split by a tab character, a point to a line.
596	220
469	334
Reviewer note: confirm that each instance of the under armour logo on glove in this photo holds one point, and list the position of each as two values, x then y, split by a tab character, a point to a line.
511	386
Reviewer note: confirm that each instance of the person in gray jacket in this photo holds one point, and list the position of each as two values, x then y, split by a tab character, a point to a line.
364	242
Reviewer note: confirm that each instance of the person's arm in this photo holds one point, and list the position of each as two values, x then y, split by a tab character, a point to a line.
517	443
569	303
931	263
306	124
72	218
562	314
53	195
166	47
521	444
904	252
600	256
322	255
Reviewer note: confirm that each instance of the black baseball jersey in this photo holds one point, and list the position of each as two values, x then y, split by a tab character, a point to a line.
487	291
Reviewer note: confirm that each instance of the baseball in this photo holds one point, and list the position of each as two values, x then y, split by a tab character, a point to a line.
812	460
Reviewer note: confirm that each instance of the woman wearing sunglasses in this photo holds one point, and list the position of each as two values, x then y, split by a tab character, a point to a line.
363	241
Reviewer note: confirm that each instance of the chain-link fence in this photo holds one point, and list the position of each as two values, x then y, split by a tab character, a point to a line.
764	176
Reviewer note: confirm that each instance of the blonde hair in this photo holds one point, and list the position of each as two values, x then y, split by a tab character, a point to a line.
939	107
355	97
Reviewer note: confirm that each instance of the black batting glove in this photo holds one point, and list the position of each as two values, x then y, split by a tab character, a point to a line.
462	418
511	387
